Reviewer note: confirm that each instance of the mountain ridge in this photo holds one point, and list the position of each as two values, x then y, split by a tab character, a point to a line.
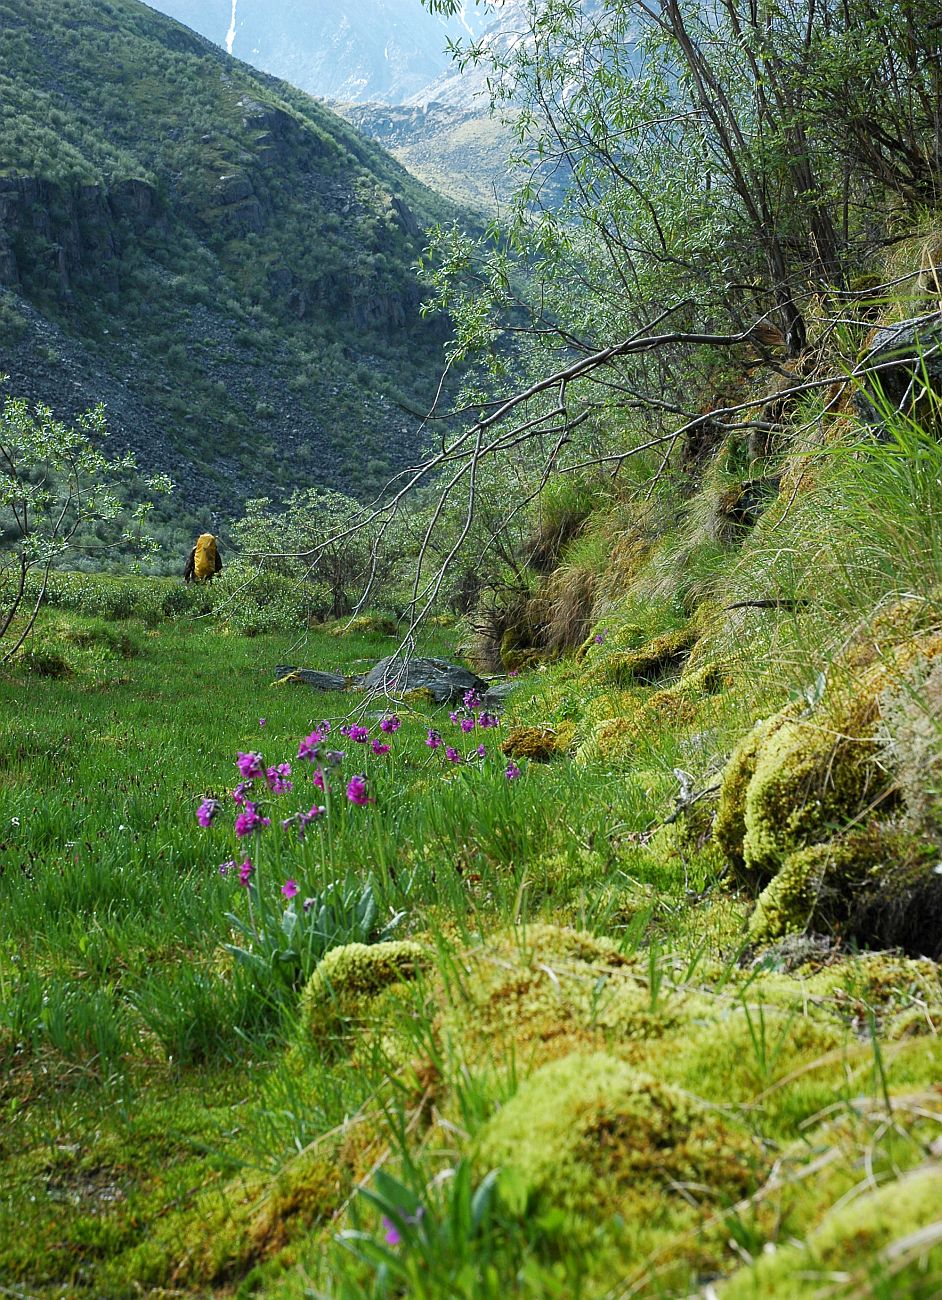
383	51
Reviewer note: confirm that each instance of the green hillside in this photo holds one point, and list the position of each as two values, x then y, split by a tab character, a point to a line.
217	257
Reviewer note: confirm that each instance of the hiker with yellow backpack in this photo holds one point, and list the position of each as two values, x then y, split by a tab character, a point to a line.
204	561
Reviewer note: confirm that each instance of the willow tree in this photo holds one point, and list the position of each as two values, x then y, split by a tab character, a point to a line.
715	168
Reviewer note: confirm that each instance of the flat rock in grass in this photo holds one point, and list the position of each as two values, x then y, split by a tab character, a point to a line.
445	682
311	677
495	697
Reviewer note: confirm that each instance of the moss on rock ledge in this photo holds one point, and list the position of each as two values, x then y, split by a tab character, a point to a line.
651	661
537	743
592	1137
875	885
885	1243
799	780
348	978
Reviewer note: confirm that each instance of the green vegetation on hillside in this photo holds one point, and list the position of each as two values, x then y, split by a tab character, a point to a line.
223	260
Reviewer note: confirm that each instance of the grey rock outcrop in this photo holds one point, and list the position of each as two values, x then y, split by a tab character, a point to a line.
320	681
899	360
497	695
445	682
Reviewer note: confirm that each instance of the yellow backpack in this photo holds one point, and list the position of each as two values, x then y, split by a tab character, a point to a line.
204	563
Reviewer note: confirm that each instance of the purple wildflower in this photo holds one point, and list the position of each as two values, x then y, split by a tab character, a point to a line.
488	720
467	724
393	1235
600	636
359	735
249	820
319	778
433	740
356	791
334	757
482	750
452	754
309	746
226	867
512	772
239	793
455	717
309	903
472	700
290	888
303	819
277	778
379	748
390	724
250	766
246	871
262	721
207	811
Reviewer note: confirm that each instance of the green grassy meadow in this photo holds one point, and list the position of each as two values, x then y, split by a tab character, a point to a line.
473	1104
140	1066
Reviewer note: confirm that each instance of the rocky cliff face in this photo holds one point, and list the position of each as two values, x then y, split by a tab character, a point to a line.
53	234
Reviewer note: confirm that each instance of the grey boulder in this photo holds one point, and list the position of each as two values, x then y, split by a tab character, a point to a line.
445	682
897	362
496	695
311	677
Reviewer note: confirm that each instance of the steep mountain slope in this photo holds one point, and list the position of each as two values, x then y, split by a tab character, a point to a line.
379	50
215	255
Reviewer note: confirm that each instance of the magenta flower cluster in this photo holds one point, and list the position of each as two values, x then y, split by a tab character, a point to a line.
470	717
250	820
259	781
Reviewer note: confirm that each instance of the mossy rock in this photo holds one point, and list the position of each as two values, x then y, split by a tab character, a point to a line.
793	901
603	706
809	781
517	650
652	661
729	827
565	735
592	1137
348	978
793	782
362	624
613	740
541	991
680	704
537	743
260	1217
420	698
798	778
868	872
231	1228
848	990
858	1249
561	941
